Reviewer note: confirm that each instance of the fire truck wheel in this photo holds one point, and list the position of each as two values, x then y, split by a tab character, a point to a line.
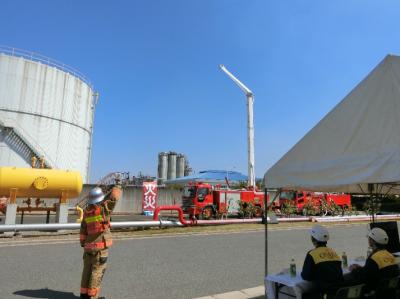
207	213
258	212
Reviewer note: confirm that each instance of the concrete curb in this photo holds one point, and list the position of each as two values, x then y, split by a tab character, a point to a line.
252	293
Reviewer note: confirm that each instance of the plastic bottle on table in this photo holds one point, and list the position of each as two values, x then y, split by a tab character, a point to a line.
344	260
292	268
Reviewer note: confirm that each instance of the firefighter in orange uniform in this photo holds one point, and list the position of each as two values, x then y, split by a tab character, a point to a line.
95	238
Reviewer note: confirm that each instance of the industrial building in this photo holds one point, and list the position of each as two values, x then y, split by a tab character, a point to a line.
46	110
172	165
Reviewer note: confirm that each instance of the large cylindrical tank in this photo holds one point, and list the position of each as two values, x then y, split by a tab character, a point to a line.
46	109
171	166
41	183
180	165
162	166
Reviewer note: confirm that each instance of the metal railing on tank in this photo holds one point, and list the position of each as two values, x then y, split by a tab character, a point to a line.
45	60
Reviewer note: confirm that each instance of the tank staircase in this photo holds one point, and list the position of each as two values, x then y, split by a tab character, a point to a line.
23	147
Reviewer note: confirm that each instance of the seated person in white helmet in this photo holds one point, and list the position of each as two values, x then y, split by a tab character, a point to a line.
322	265
379	264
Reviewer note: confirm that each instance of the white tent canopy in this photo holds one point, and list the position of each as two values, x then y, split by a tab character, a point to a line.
354	145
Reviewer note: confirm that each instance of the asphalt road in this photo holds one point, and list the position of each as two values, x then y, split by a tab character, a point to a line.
157	267
168	266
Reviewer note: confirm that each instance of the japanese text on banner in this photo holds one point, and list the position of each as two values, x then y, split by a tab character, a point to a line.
149	202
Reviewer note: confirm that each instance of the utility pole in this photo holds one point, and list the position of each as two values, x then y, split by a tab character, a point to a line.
251	181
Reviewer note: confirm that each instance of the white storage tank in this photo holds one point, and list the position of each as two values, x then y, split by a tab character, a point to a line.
180	166
46	109
171	166
162	166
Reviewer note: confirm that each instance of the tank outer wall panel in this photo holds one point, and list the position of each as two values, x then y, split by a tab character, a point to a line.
51	109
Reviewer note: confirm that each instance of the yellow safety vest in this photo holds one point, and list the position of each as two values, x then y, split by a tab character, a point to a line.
383	259
324	254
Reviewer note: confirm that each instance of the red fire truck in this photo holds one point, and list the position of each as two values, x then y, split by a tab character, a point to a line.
299	199
204	201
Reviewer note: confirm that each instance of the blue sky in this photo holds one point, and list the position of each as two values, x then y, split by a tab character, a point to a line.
155	65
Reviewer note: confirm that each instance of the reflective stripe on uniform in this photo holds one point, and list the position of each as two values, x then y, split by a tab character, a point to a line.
324	254
84	290
98	245
94	218
93	291
383	259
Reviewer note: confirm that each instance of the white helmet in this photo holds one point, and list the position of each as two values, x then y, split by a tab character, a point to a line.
378	235
319	233
96	195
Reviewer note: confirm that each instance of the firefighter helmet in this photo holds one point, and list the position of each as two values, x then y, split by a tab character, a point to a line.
319	233
96	196
378	235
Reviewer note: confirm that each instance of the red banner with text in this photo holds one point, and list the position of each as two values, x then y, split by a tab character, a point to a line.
149	202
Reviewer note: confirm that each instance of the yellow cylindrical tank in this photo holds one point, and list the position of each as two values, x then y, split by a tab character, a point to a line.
41	183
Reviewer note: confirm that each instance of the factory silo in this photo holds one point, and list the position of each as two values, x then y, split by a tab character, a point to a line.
171	166
46	110
162	167
180	165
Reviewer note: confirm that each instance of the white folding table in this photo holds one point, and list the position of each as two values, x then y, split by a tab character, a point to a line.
274	282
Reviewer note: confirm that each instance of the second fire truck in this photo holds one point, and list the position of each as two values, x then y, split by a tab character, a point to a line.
317	200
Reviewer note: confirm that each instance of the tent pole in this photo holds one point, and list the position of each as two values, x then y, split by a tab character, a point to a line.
372	200
266	228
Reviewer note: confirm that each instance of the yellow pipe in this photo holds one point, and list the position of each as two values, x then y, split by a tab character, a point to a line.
41	183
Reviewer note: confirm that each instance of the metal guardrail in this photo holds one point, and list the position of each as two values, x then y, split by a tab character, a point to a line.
126	224
45	60
71	226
